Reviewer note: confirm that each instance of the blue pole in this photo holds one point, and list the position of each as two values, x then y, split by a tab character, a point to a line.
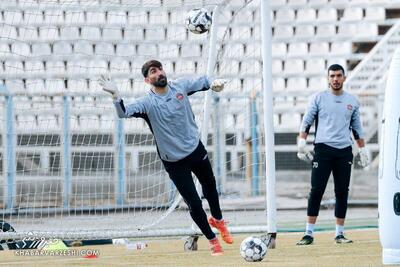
67	151
10	158
120	162
218	156
254	146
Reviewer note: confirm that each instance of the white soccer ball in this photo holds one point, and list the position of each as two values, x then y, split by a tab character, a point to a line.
198	20
253	249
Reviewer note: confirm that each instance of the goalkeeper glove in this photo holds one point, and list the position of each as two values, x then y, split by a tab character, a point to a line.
364	160
109	86
302	152
218	85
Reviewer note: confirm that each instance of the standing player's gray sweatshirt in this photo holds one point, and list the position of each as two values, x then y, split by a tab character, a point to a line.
169	116
336	117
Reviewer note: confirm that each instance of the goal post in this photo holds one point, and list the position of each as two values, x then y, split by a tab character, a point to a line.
80	172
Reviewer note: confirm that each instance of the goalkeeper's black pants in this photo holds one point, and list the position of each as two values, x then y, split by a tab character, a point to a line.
329	160
180	173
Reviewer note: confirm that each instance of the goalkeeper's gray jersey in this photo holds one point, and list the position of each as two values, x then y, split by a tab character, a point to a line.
169	116
335	118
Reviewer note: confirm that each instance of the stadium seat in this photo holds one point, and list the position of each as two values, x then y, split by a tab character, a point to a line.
315	66
277	66
107	122
83	48
168	50
15	85
13	67
77	85
326	30
375	13
125	50
134	34
158	17
35	86
352	14
47	122
154	34
253	50
34	67
284	16
53	16
26	122
5	49
12	17
366	30
297	49
97	66
147	50
116	17
138	17
69	33
112	34
89	122
234	50
283	31
106	49
243	17
306	15
120	66
341	48
251	84
55	85
77	66
278	84
250	67
318	83
62	48
347	30
33	17
73	123
290	121
278	3
303	31
74	17
28	33
124	85
8	32
228	67
173	3
297	2
21	49
338	60
94	17
241	33
294	66
320	48
185	67
297	84
327	15
90	33
190	50
41	49
55	67
279	49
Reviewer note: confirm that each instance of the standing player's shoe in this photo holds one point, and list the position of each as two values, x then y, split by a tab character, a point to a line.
221	226
306	240
340	239
216	249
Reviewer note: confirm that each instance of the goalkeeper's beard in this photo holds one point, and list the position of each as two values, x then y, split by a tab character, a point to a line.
161	82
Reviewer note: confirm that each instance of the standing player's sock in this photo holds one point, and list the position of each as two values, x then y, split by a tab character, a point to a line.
339	230
310	229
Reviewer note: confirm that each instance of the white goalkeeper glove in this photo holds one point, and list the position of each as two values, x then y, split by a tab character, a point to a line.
109	86
364	160
218	85
302	152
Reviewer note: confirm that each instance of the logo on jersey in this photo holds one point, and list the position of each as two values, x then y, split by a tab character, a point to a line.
179	96
349	107
315	165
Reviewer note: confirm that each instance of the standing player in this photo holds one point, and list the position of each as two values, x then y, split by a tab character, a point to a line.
167	111
336	114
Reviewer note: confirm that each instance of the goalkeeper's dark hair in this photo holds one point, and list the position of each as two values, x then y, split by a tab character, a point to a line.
335	67
151	63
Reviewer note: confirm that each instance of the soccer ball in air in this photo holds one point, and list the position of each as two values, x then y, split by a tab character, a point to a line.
198	20
253	249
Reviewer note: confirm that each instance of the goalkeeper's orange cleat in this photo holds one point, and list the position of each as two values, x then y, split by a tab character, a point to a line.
216	249
221	226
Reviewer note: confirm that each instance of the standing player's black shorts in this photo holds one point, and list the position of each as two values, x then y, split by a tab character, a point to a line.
329	160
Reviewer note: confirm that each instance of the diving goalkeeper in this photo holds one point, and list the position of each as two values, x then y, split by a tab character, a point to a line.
167	111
